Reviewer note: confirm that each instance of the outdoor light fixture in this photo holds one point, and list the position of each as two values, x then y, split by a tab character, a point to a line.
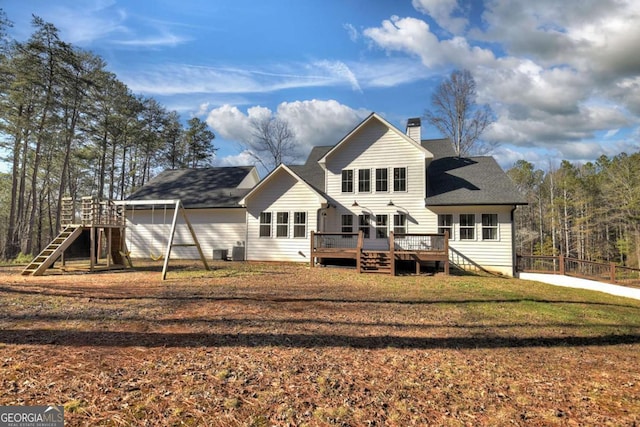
390	203
354	204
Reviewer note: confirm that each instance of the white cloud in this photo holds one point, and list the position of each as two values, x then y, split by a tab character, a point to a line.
414	36
242	159
442	12
314	122
564	74
353	33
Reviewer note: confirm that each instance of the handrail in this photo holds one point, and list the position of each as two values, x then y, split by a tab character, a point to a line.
609	272
93	212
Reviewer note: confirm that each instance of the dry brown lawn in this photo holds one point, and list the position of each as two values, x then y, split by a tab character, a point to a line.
275	344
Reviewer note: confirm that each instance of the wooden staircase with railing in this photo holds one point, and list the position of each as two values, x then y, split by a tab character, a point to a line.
376	262
53	251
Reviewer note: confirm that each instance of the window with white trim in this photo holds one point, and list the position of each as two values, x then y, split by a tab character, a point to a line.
282	224
399	179
400	223
299	224
445	223
382	180
364	180
382	226
364	221
347	223
467	226
265	224
347	181
489	226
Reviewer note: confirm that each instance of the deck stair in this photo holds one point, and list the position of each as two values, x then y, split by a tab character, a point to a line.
53	251
375	262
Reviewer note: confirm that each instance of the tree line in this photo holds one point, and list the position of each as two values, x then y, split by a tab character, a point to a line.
69	127
589	211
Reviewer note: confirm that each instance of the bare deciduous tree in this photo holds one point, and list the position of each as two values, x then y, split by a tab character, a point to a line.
272	142
457	116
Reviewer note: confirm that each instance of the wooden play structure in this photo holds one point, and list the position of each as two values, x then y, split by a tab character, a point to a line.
98	232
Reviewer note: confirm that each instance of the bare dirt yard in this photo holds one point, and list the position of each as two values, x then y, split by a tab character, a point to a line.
250	344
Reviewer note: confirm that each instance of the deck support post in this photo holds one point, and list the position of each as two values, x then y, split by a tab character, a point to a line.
392	255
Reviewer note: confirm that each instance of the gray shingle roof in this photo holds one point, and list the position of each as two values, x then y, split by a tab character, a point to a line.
311	171
197	188
469	181
438	147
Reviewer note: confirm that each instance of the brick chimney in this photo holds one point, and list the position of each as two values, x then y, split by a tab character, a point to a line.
414	129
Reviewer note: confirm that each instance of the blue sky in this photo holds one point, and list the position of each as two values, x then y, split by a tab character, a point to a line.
562	77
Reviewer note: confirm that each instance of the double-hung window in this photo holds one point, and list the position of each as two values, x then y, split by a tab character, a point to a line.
445	223
399	224
363	225
382	180
282	224
265	224
399	179
489	226
299	224
382	225
347	181
364	180
467	227
347	225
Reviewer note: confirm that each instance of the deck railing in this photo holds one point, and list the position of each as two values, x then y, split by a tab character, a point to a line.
93	212
606	272
418	246
419	242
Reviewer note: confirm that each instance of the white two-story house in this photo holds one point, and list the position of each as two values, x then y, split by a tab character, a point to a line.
379	180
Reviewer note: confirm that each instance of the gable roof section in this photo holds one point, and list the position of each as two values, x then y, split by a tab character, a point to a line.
365	122
439	147
282	167
470	181
311	171
198	188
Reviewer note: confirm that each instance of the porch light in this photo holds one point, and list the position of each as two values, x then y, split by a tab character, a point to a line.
354	204
390	203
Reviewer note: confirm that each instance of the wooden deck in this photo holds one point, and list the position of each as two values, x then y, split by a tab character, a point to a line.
419	248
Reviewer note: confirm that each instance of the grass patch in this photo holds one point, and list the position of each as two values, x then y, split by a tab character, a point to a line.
282	344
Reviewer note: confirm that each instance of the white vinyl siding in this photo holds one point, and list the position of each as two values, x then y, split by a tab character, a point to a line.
493	255
284	194
215	229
